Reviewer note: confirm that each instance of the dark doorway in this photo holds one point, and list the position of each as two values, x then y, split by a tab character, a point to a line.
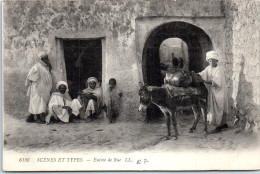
198	43
83	59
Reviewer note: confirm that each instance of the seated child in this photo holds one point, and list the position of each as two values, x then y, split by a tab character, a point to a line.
112	101
61	107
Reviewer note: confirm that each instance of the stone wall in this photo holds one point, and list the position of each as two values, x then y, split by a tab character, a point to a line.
243	56
31	26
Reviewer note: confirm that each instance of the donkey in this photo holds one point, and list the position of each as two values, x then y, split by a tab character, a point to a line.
168	104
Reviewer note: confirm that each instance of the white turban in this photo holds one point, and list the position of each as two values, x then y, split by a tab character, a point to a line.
62	83
212	55
41	54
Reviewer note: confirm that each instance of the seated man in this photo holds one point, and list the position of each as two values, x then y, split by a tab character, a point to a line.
90	99
61	107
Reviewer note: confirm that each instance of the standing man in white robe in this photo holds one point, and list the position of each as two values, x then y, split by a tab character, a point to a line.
39	83
61	106
214	78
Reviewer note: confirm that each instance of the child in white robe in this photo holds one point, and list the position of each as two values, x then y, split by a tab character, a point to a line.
112	101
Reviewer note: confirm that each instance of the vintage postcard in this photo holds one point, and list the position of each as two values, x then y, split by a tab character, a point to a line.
130	85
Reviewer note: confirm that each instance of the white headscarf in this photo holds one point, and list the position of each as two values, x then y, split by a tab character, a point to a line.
92	79
212	55
96	92
62	83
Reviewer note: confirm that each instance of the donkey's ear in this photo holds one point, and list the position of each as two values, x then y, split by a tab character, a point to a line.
141	84
149	88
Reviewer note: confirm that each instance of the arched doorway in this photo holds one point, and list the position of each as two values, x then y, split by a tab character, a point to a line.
198	43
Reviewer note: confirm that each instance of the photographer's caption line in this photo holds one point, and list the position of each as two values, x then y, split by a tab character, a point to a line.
82	160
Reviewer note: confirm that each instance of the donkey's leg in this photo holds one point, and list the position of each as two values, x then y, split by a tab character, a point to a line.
196	120
174	123
167	114
168	124
204	111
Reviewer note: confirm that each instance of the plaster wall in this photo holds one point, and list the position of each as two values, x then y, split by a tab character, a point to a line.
32	26
243	56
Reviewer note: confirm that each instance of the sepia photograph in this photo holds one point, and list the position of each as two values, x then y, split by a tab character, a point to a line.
130	85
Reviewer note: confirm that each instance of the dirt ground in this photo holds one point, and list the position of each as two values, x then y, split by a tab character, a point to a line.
121	136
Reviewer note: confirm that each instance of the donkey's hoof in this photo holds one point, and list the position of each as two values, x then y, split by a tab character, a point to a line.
205	132
176	138
167	137
191	130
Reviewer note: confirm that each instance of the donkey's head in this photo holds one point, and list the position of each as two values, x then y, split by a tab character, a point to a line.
145	97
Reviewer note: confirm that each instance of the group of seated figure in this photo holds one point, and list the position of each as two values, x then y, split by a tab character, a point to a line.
59	106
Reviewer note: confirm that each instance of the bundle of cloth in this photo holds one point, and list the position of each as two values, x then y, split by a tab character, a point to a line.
183	79
183	85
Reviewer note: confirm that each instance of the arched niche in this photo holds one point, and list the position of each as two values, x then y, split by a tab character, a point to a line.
197	40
